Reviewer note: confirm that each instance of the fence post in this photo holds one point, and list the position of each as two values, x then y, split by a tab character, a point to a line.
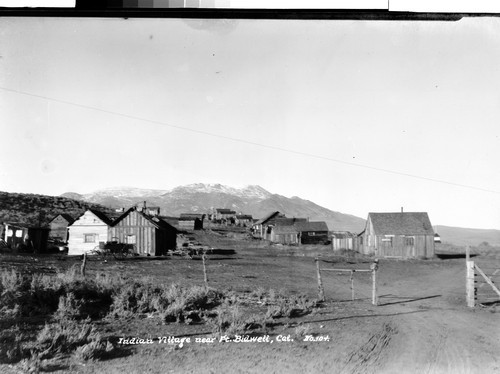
321	292
204	271
469	279
352	285
84	263
374	268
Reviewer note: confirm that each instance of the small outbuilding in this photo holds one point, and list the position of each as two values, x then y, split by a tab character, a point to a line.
59	227
399	235
24	237
312	232
342	240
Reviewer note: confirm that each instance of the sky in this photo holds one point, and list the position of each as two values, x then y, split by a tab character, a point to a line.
356	116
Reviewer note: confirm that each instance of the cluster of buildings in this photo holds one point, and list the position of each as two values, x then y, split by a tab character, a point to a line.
399	235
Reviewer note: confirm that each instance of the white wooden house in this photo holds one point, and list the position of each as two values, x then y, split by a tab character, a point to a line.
85	234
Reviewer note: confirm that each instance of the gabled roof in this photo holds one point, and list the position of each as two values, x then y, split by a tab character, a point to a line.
225	211
155	220
102	216
311	226
406	223
267	218
192	216
67	217
283	221
244	216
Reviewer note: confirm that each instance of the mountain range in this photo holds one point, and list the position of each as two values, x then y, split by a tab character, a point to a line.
255	200
203	198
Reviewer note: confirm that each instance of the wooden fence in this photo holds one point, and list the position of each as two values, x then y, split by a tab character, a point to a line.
373	270
479	285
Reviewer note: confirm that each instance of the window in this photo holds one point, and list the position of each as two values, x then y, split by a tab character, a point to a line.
409	240
19	233
311	233
130	239
89	238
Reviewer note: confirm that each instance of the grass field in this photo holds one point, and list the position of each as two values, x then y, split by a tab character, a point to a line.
259	313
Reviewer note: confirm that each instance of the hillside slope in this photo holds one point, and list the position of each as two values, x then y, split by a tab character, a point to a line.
32	209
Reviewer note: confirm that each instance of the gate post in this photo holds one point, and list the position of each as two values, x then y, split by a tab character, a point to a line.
321	291
469	279
374	268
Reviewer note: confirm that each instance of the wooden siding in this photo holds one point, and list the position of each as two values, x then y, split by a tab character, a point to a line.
315	237
88	223
342	243
149	239
134	224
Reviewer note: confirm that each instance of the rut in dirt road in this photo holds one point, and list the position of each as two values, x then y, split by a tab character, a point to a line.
366	359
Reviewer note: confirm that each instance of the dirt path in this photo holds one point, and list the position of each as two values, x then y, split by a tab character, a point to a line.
443	335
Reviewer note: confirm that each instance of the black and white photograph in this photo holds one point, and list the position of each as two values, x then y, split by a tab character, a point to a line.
255	191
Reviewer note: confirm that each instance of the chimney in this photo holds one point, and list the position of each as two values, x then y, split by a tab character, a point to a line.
401	209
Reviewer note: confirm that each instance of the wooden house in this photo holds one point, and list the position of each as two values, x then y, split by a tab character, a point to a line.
244	220
59	227
88	231
224	215
284	234
312	232
191	221
400	235
342	240
150	235
25	237
261	228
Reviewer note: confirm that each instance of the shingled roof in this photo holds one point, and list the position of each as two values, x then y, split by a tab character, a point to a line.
311	226
406	223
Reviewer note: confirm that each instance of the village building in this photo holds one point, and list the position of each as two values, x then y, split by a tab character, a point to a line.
147	234
244	220
284	234
88	231
399	235
342	240
25	237
225	216
191	221
312	232
59	227
263	227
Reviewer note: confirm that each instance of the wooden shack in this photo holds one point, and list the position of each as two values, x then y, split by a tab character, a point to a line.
284	234
88	231
399	235
342	240
150	235
59	227
312	232
25	237
244	220
191	221
263	227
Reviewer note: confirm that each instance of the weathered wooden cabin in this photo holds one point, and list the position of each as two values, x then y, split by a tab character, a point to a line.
284	234
223	215
191	221
262	228
150	235
24	237
88	231
59	227
312	232
399	235
342	240
244	220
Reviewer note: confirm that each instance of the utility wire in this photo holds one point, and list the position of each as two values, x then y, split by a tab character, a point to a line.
161	123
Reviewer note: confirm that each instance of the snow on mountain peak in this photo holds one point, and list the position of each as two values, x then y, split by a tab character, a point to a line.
251	191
